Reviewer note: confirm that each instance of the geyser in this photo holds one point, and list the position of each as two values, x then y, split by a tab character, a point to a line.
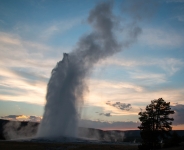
60	112
67	83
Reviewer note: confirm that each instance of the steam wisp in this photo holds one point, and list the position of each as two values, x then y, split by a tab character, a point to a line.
67	85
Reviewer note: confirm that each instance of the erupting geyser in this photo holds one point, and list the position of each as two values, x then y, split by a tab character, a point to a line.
60	112
67	83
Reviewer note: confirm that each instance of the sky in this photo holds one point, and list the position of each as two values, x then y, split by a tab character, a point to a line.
34	35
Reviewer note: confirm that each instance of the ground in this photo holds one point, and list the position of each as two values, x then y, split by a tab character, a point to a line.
7	145
11	145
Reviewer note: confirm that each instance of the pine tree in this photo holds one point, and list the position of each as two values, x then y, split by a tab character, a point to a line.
156	124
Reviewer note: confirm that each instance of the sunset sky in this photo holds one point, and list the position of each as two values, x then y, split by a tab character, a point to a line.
34	35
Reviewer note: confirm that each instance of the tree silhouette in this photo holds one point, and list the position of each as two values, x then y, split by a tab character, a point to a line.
156	124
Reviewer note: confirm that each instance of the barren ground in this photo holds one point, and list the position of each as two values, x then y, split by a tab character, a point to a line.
11	145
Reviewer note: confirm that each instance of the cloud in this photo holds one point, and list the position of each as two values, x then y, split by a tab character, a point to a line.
16	52
25	90
108	125
178	115
10	39
175	1
35	118
24	56
161	38
11	91
22	118
2	21
16	47
148	77
120	105
24	69
59	27
140	10
137	94
180	18
30	76
104	114
169	65
11	117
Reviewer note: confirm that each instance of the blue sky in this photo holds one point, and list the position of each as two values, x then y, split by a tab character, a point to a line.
34	35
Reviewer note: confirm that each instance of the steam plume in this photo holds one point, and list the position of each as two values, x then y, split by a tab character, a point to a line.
67	83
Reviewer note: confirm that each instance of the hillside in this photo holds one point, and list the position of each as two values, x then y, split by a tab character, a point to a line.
23	129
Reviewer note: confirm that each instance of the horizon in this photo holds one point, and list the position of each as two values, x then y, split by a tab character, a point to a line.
92	128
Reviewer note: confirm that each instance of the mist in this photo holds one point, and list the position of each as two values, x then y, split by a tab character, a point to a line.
67	85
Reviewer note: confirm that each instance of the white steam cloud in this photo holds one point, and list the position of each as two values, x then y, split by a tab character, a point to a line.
67	83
